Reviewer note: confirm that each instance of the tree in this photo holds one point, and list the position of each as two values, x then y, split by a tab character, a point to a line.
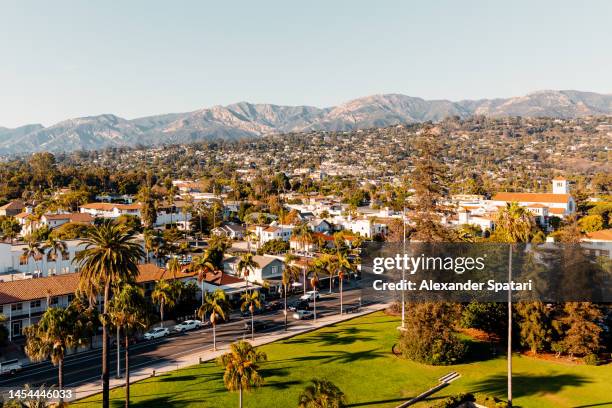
581	333
217	305
591	223
241	367
322	394
535	325
56	249
202	265
128	312
489	317
52	336
250	301
32	250
429	337
302	234
9	227
290	274
246	265
428	180
165	296
110	258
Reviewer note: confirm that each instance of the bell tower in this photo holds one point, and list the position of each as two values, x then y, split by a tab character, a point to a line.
560	185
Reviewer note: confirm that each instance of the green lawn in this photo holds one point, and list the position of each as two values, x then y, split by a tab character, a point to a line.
356	355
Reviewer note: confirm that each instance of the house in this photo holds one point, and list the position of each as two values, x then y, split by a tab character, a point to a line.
269	269
24	301
267	233
319	225
599	242
232	231
55	220
12	208
175	213
110	210
233	286
365	227
314	242
559	203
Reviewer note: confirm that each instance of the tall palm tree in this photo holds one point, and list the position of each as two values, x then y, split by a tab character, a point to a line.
52	336
514	224
241	366
32	250
56	250
344	265
128	312
165	296
250	301
110	257
290	275
317	267
202	265
322	394
217	305
246	265
303	234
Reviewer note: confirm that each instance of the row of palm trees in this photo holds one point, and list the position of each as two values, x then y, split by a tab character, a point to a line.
55	250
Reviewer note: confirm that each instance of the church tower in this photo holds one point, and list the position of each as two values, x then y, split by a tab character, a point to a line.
560	185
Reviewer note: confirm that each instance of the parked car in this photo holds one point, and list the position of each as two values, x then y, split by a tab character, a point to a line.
310	295
303	314
299	305
10	367
156	333
259	325
188	325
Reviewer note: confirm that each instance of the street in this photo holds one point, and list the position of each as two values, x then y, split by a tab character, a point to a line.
86	366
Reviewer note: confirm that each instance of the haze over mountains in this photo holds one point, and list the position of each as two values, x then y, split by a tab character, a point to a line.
244	119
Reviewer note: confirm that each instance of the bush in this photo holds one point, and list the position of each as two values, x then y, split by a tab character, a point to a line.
429	337
454	400
591	359
490	402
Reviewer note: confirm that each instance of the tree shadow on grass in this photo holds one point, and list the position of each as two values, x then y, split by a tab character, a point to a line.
526	384
371	403
281	385
478	350
342	337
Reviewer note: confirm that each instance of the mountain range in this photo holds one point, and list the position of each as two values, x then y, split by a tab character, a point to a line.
243	120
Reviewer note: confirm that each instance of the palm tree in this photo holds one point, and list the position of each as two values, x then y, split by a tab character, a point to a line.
52	336
514	224
250	301
344	265
322	394
32	250
56	250
314	269
165	296
241	368
202	265
110	258
303	234
217	305
290	274
246	265
128	312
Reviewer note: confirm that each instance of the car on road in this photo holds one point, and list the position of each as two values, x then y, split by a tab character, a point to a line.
259	325
156	333
303	314
311	295
299	305
188	325
10	367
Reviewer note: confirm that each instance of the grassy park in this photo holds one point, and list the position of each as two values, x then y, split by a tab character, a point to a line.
356	355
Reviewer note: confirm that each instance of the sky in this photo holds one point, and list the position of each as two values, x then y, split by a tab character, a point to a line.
65	59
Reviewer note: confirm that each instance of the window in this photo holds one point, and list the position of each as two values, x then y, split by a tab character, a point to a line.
54	300
274	269
16	307
35	304
70	298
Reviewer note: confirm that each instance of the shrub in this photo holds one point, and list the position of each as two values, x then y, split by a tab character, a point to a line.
490	401
591	359
454	401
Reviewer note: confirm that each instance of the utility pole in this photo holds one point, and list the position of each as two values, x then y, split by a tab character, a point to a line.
510	328
404	269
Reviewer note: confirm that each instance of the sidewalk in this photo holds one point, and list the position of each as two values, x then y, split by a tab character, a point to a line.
139	374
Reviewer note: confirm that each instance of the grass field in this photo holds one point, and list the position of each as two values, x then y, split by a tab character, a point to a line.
356	356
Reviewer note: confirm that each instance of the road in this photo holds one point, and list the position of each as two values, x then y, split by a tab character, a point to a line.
86	367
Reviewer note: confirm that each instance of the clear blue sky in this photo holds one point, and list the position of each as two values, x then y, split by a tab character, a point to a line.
61	59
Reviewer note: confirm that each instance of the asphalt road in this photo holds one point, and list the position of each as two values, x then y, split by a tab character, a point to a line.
85	367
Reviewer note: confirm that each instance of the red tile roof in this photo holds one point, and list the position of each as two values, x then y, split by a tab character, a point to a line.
532	197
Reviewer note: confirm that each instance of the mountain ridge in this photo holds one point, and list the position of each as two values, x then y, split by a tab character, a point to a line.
244	119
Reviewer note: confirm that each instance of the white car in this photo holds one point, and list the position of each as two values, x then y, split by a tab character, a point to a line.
188	325
310	295
156	333
10	367
303	314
